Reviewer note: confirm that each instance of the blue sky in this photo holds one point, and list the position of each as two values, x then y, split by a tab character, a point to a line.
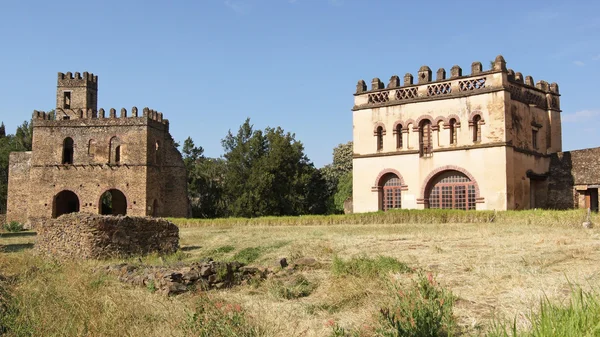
207	65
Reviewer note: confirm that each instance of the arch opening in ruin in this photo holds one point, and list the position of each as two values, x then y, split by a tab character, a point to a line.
64	202
113	202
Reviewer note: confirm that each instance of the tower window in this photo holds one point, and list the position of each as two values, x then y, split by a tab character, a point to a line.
67	157
67	100
476	128
452	131
534	137
399	136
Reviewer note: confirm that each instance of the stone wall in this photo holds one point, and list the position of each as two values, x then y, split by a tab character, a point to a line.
2	219
91	236
568	170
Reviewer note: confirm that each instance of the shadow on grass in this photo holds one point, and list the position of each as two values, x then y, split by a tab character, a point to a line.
188	248
15	248
17	234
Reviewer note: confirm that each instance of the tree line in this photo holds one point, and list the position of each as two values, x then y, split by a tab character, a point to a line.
261	173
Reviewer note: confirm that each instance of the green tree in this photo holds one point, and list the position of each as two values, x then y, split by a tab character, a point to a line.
23	137
2	130
267	173
343	191
332	173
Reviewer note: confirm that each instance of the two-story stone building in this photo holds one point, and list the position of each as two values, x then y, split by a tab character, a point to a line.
478	141
90	160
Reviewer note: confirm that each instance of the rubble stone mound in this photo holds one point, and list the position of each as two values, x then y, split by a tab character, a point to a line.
172	280
92	236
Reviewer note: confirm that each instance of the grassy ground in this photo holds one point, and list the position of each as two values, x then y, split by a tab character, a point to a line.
496	271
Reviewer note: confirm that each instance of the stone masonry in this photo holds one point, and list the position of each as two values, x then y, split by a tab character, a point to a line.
91	236
96	161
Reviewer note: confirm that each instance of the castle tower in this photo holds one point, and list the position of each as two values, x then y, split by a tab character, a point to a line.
76	92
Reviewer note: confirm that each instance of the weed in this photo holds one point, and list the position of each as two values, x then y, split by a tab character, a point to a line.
13	227
577	318
423	310
222	250
151	286
363	266
217	319
297	287
248	255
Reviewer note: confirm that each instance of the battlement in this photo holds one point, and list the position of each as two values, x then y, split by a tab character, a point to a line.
78	80
456	85
100	114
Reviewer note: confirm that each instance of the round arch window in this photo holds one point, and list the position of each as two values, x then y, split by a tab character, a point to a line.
451	190
391	191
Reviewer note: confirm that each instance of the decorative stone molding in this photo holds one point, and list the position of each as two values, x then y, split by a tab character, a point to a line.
377	185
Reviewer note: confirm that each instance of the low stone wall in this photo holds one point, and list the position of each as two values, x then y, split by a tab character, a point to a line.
92	236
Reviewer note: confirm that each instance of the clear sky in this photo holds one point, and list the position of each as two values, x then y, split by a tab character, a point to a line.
207	65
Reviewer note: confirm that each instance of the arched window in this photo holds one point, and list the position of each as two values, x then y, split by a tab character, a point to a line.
452	130
425	146
390	192
379	138
115	151
92	148
451	190
476	128
67	155
399	136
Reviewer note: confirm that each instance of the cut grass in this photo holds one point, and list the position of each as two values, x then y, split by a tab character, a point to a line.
364	266
502	268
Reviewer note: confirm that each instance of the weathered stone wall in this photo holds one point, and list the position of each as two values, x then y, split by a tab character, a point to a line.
2	219
18	186
569	169
91	236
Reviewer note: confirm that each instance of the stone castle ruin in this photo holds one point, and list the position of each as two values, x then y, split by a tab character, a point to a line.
95	161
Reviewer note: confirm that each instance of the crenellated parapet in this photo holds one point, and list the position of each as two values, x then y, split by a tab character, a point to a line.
63	115
78	80
479	81
541	94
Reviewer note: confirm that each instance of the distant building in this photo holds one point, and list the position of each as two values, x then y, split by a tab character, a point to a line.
85	160
490	140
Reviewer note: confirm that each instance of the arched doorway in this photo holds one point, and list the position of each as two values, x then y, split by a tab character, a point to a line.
64	202
451	189
390	187
113	202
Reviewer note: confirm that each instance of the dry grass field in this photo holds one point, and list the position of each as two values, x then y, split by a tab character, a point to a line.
496	271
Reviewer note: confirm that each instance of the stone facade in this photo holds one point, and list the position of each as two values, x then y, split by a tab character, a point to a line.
574	179
481	141
91	236
95	161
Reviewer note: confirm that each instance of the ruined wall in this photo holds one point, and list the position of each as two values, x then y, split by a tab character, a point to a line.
90	236
568	170
167	178
18	186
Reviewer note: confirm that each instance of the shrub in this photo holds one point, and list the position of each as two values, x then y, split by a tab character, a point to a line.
363	266
423	310
297	287
217	319
13	227
577	318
